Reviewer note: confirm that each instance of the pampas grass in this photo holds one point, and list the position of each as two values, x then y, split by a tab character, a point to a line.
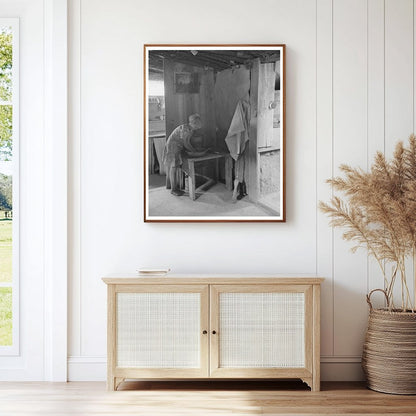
379	214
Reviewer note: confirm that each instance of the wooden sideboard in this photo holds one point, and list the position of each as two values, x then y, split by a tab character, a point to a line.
198	327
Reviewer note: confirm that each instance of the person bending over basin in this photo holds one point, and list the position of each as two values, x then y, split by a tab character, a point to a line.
178	147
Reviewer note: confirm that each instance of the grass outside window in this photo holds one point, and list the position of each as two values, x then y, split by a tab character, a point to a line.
5	277
6	316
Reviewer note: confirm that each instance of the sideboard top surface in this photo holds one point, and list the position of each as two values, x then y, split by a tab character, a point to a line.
186	279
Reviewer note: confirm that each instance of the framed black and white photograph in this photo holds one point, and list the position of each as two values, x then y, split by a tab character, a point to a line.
214	133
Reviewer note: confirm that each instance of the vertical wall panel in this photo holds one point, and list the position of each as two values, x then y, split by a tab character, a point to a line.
414	67
74	180
375	79
324	166
399	83
399	72
350	146
414	119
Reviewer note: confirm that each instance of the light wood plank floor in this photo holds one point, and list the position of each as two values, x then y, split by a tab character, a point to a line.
198	398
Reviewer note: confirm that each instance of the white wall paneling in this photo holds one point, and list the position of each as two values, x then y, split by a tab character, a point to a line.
74	177
324	167
399	82
414	113
350	92
350	146
55	145
398	71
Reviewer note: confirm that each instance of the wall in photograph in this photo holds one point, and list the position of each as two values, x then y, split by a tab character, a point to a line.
180	105
349	93
231	86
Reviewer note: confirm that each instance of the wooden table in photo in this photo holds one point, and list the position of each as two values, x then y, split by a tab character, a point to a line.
193	164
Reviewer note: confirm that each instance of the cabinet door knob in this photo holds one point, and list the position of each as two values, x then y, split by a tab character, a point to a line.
214	332
205	332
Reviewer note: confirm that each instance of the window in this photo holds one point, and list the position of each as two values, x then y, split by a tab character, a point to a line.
9	159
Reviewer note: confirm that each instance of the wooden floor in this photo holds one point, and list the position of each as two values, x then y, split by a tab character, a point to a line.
198	398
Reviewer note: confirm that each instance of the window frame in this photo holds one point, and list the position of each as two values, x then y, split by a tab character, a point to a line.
14	349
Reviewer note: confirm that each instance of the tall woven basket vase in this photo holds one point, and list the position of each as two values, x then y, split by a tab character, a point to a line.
389	353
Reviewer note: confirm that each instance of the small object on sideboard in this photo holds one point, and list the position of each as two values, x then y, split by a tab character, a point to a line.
152	272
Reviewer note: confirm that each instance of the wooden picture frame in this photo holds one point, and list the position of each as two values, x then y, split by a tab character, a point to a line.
214	145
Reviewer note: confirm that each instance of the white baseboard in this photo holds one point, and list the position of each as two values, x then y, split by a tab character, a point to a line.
83	368
332	368
341	369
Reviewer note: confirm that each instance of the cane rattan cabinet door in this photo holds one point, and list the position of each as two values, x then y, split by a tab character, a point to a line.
261	331
160	331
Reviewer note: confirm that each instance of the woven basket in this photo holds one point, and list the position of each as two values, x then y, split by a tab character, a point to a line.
389	354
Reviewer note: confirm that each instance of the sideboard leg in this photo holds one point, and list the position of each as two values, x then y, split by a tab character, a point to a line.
308	381
118	381
316	384
111	337
114	382
316	372
111	383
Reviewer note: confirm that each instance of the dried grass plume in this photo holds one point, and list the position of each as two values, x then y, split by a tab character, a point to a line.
379	214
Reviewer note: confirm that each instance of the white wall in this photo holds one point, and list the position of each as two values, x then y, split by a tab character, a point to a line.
350	91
